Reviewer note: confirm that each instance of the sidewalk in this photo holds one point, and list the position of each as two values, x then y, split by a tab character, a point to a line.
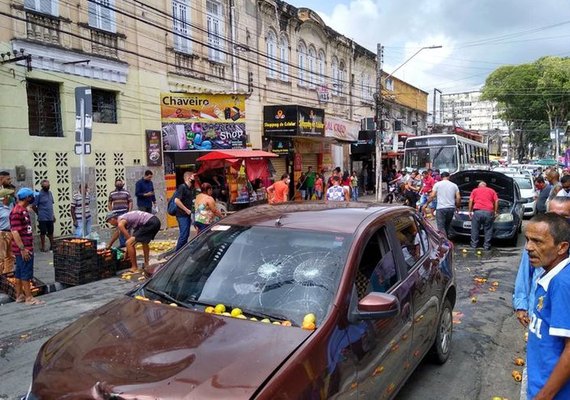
44	268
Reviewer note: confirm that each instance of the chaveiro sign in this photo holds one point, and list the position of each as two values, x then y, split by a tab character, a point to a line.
293	120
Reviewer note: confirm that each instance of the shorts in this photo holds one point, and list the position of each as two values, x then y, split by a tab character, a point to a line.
423	200
24	270
46	227
147	232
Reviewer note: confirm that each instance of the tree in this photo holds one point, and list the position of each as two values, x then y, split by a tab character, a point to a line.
531	98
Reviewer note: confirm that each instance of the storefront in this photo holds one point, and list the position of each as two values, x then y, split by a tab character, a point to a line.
194	124
296	134
342	133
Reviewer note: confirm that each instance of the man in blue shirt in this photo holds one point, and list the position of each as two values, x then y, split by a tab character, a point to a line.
548	348
43	207
144	191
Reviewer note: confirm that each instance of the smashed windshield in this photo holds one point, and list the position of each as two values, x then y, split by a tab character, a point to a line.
272	271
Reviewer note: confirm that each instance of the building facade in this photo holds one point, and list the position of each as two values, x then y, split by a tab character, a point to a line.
221	62
468	111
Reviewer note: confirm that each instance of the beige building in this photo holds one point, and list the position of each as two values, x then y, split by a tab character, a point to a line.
133	54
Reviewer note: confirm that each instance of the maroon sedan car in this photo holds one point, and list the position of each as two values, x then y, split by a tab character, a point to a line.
293	301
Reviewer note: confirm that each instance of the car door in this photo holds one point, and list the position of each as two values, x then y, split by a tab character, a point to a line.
417	257
381	348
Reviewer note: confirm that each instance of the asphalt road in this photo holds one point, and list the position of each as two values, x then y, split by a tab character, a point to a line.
486	337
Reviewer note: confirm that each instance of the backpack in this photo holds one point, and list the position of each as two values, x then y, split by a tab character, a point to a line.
171	208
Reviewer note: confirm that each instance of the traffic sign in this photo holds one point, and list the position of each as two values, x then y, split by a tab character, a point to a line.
83	114
84	148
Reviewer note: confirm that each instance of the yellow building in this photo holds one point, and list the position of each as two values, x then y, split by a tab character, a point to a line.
132	53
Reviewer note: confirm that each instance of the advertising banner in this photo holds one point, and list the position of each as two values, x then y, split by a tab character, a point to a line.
153	148
341	129
293	120
202	121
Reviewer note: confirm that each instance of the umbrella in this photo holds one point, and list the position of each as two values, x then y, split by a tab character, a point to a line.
235	153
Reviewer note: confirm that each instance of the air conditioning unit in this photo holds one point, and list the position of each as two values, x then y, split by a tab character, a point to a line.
367	124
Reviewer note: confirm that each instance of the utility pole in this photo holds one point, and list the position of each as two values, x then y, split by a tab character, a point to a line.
379	123
434	103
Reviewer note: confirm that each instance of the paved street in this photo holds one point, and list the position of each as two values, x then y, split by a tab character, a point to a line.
486	339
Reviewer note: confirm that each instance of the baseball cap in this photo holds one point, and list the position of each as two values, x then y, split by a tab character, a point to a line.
24	193
5	192
111	214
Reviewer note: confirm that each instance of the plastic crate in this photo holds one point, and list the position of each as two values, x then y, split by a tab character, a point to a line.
107	263
7	282
75	261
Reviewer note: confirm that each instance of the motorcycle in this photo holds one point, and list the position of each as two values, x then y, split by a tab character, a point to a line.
394	193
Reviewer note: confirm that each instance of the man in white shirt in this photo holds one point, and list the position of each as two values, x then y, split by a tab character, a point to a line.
448	201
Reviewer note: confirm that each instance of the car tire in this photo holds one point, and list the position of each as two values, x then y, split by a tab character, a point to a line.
441	348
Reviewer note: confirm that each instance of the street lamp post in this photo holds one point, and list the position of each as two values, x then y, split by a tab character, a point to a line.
380	109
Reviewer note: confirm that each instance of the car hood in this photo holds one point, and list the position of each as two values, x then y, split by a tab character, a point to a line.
501	183
143	350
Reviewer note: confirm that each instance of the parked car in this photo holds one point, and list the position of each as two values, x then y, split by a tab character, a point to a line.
508	224
293	301
528	193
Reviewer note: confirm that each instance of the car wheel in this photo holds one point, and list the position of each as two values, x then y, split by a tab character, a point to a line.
442	346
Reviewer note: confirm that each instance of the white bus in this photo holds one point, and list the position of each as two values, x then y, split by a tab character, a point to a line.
449	153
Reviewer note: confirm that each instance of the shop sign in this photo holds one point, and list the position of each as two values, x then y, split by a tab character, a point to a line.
203	136
153	148
293	120
202	107
280	146
341	129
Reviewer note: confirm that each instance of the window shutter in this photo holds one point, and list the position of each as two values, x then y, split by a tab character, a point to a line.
107	15
92	11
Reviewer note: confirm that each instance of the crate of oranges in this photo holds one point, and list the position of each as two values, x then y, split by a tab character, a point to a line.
8	285
75	261
107	262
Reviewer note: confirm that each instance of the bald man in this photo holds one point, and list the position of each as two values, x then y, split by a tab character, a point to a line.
483	207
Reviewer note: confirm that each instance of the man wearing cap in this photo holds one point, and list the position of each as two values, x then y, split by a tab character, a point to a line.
144	226
6	256
23	246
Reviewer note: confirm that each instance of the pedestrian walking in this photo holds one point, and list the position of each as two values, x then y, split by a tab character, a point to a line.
310	178
548	347
279	191
184	200
6	256
337	192
144	226
427	185
82	196
43	207
319	186
23	246
354	186
526	280
206	210
448	199
543	191
144	191
121	202
483	208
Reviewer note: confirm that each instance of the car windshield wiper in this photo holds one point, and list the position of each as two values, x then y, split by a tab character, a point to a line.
260	314
166	296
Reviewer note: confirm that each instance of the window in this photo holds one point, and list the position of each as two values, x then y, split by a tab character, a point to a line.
302	51
335	76
104	106
271	54
377	270
215	30
180	26
102	15
389	83
413	239
341	77
43	6
284	58
321	68
44	109
311	66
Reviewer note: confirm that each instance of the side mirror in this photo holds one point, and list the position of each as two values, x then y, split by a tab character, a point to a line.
376	306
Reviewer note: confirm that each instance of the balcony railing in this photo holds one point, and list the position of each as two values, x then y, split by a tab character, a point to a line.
42	27
104	43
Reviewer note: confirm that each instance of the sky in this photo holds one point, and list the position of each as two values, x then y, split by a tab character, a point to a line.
477	36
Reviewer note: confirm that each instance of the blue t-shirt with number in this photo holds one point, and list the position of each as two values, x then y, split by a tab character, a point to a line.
549	329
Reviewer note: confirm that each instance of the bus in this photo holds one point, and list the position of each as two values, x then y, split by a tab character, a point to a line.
445	152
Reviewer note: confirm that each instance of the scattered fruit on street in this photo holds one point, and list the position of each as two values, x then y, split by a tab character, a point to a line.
519	361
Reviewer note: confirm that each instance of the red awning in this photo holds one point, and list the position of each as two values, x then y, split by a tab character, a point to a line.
235	153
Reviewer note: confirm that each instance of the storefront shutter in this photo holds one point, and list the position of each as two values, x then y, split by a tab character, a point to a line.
280	166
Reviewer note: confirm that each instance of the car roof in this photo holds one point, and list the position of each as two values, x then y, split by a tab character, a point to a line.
525	176
331	217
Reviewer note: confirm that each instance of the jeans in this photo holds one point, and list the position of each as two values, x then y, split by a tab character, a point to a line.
309	193
184	224
443	218
122	238
482	218
79	228
354	194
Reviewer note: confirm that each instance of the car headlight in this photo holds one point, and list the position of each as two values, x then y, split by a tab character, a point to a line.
504	218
